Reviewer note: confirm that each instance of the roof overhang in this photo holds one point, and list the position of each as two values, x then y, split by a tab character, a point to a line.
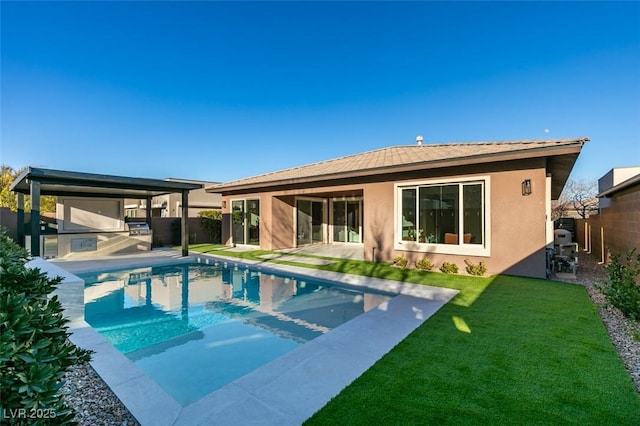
68	183
633	181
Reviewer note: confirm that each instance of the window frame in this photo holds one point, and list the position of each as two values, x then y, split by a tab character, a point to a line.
483	250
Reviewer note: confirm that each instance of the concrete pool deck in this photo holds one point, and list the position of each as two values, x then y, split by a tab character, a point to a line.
285	391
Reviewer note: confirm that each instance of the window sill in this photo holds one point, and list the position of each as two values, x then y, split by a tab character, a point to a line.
463	250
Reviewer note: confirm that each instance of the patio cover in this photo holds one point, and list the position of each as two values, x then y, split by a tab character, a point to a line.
37	181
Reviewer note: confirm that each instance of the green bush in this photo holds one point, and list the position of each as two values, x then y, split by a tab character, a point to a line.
35	351
424	264
621	289
449	268
400	261
472	269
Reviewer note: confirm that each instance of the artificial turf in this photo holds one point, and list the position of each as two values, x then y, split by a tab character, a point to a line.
506	350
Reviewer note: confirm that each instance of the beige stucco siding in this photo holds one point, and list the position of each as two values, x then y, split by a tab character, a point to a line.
518	236
517	232
282	210
378	208
515	224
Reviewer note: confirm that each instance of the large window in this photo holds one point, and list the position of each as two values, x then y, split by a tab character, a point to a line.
443	214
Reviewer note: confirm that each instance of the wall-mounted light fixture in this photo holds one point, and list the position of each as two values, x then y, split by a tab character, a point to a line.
224	204
526	187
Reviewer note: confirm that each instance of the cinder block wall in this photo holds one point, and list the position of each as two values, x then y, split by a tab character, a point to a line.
9	220
161	227
619	224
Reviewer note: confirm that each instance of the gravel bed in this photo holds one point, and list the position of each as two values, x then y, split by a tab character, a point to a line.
97	405
94	402
624	333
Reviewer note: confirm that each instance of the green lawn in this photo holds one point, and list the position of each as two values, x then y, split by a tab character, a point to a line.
506	350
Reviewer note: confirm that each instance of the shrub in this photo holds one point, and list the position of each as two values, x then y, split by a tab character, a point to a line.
424	264
621	290
34	348
449	268
472	269
400	261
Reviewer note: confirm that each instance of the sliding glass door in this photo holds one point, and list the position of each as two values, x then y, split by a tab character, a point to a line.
310	218
347	221
237	221
245	221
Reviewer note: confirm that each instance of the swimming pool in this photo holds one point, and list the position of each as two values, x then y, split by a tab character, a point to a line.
193	327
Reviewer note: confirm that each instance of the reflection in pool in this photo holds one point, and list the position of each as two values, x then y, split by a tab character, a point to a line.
194	327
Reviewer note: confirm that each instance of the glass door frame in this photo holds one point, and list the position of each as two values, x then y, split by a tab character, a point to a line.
324	226
359	200
245	222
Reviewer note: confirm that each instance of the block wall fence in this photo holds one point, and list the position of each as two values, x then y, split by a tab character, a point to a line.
615	229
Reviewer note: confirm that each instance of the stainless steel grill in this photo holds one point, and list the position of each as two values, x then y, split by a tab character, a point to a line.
139	228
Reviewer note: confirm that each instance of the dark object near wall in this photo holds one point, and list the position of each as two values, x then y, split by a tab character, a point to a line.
568	223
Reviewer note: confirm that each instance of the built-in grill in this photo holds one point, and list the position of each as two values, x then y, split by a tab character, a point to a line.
565	251
139	228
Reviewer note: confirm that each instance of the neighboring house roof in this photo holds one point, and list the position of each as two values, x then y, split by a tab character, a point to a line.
634	180
415	157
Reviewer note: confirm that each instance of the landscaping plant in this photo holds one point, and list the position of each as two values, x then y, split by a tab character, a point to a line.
35	351
424	264
472	269
211	221
449	268
621	289
400	261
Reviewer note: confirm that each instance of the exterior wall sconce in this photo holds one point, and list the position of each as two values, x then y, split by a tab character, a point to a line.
526	187
224	204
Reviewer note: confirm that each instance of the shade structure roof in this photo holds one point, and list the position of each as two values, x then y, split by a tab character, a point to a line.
560	153
68	183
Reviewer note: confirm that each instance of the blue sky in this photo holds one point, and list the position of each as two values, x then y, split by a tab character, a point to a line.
219	90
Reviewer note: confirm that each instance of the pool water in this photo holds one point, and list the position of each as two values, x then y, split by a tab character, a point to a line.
194	328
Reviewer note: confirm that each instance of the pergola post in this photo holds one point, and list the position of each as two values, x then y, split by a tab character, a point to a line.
148	219
20	220
185	224
35	218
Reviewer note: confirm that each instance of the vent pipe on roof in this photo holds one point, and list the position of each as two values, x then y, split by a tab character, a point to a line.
419	140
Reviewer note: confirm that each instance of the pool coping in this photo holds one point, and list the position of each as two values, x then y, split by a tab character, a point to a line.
285	391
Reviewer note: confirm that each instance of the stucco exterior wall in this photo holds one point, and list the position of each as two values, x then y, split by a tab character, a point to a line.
517	226
377	219
101	244
82	214
518	233
515	223
281	223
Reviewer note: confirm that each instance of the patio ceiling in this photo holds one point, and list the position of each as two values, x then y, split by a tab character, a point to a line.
67	183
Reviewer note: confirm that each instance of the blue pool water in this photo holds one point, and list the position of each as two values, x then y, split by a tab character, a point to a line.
193	328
